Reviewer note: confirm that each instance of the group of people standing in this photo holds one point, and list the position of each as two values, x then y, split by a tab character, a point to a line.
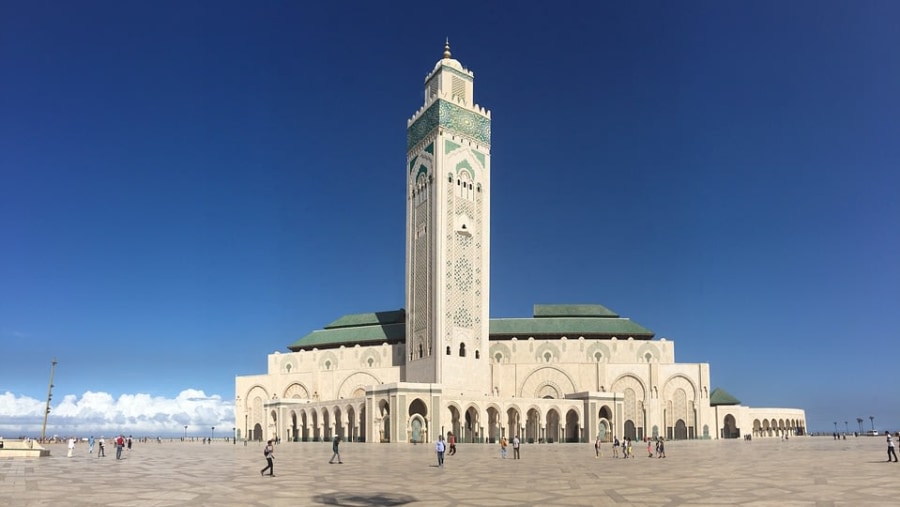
120	441
626	444
442	447
449	446
515	445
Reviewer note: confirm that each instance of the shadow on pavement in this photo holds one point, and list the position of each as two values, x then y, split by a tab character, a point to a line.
364	499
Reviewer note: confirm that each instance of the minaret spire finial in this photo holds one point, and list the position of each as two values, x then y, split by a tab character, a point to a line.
447	48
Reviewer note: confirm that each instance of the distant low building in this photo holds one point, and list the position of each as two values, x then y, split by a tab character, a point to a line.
571	373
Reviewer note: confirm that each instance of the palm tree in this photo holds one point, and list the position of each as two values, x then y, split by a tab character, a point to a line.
859	420
872	418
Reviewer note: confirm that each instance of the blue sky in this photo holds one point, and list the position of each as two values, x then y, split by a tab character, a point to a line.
187	187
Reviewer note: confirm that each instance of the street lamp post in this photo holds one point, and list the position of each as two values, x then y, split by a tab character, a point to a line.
185	432
213	434
846	428
835	427
49	396
872	418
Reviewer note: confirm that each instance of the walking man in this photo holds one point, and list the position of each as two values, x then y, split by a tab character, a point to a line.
891	451
516	447
91	445
335	447
120	444
269	453
451	439
439	448
101	448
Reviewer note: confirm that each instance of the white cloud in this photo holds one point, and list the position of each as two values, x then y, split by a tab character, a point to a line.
98	413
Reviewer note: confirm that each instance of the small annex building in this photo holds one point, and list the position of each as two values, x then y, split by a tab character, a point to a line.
569	373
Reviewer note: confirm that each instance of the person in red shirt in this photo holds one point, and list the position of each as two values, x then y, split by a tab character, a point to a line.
120	444
451	440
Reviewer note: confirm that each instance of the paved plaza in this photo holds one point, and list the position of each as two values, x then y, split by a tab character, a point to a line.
802	471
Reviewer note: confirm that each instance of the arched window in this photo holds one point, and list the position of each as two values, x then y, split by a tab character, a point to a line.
462	350
477	355
448	350
465	188
421	351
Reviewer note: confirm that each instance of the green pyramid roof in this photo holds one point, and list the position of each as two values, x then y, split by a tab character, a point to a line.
720	396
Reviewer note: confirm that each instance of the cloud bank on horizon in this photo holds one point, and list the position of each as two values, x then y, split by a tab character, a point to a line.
98	413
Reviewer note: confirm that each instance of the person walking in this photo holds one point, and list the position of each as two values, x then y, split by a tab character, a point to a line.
101	448
615	447
891	450
451	440
439	447
335	447
649	448
91	445
72	447
516	447
661	448
597	448
120	444
269	453
503	443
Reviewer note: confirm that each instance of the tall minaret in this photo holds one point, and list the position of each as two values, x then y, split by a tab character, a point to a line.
448	213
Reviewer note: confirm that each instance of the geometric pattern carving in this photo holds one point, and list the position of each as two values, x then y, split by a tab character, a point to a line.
634	398
356	381
453	117
546	353
296	391
503	350
533	384
598	353
420	313
679	382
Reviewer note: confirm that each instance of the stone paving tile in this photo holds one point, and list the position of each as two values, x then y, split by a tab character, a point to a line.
817	472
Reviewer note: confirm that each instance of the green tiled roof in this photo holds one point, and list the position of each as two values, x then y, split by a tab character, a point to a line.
349	336
721	397
573	311
369	319
591	321
571	327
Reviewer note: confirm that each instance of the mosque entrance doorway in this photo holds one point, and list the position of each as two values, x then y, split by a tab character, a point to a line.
681	432
417	414
630	430
730	430
603	430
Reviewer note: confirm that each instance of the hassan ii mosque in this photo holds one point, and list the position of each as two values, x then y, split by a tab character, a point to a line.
571	373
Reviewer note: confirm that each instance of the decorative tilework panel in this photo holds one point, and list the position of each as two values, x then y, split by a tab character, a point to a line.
452	117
